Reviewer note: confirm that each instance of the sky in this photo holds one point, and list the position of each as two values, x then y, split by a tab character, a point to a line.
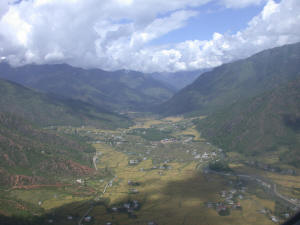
144	35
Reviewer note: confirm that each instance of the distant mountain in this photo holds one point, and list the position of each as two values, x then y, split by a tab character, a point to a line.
236	81
30	155
117	91
45	109
267	123
179	79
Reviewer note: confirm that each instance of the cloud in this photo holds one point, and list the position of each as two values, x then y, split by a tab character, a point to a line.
3	7
276	25
241	3
115	34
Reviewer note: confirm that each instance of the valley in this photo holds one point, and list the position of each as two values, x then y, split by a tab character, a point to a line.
158	171
131	112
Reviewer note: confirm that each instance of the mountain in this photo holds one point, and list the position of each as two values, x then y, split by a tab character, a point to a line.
30	155
115	91
267	123
179	79
236	81
45	109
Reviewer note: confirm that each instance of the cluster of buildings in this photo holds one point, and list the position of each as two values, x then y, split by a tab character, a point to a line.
270	168
269	214
128	207
230	201
168	140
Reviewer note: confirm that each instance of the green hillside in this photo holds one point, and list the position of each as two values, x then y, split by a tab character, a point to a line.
265	124
116	91
30	155
236	81
51	110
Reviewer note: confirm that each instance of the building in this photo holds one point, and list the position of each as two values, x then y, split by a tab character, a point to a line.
88	219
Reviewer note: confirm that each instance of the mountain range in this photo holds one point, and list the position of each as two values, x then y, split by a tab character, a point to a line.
236	81
48	109
266	124
115	91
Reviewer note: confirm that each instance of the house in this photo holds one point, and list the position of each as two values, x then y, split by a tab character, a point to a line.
133	183
126	205
70	217
223	194
133	162
233	191
151	223
114	209
133	191
79	181
205	155
263	211
88	219
136	204
274	219
197	157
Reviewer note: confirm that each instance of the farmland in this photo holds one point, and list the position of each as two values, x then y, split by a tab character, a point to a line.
156	172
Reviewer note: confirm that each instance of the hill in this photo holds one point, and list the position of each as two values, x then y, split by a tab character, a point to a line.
266	124
116	91
236	81
31	156
46	109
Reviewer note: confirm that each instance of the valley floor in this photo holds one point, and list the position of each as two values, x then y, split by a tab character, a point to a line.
156	172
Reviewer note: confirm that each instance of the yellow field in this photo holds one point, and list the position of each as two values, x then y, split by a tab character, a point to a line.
146	122
176	196
194	132
285	180
174	119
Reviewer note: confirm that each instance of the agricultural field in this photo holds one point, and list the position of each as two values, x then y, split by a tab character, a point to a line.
157	172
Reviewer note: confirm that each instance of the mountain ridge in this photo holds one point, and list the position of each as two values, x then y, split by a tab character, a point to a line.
46	109
236	81
115	91
266	123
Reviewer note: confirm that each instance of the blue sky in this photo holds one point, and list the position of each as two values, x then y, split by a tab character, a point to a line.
212	18
144	35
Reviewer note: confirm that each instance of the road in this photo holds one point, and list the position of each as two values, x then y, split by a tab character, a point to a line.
283	197
109	184
271	185
95	158
86	214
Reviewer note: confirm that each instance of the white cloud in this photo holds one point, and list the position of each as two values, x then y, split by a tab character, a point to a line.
114	34
276	25
241	3
3	7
